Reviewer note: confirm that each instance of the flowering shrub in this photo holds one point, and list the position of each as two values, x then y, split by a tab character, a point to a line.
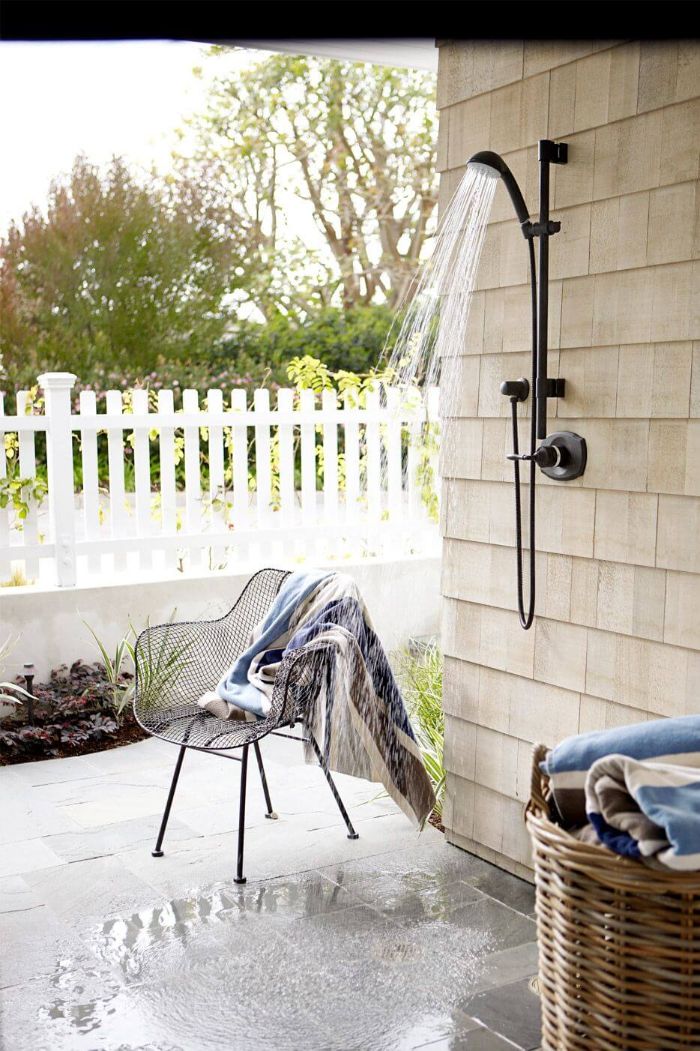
174	376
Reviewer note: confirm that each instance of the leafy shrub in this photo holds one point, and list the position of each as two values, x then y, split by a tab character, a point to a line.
252	355
352	340
75	706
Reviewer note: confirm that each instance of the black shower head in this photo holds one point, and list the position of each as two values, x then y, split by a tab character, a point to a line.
494	165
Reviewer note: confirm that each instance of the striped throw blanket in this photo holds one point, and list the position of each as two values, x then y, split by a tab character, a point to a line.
356	714
248	686
639	786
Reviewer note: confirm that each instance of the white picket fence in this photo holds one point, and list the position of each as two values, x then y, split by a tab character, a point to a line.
371	502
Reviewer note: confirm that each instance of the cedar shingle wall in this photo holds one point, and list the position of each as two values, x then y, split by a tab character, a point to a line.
617	638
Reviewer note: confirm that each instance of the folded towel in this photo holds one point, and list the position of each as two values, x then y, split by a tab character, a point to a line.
220	708
644	809
675	741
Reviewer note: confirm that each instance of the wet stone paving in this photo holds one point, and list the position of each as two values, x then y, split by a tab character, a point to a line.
394	941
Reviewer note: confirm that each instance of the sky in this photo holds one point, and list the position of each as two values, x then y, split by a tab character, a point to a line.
60	99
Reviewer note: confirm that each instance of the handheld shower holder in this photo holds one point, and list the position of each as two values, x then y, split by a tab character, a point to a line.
530	229
562	454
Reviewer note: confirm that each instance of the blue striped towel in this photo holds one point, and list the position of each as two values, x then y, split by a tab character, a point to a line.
639	786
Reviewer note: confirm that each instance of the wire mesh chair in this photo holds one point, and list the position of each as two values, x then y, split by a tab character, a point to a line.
178	662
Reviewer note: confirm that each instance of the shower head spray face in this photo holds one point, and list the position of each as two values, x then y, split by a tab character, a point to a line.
487	160
484	169
489	163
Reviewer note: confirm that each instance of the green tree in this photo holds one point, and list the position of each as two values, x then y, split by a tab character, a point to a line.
117	269
356	143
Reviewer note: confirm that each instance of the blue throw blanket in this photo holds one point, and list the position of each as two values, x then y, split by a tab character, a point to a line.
355	710
269	638
358	714
639	786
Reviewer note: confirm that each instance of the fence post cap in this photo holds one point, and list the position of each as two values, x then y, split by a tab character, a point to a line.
57	380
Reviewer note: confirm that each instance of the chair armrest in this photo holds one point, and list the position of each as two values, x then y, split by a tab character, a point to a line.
298	679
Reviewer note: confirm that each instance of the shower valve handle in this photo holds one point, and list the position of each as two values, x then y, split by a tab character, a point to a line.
545	456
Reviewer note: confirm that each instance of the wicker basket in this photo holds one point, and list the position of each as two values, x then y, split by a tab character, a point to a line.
619	943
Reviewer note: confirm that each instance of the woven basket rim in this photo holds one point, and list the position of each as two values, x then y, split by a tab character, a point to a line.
598	862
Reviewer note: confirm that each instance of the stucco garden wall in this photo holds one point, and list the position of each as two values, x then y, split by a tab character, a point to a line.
402	597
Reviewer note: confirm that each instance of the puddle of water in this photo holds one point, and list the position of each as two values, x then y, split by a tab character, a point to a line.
274	968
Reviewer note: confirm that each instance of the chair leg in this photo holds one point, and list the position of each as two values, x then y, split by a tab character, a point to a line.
240	878
352	834
158	853
268	802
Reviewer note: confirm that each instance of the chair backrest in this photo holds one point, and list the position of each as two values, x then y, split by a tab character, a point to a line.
253	604
178	661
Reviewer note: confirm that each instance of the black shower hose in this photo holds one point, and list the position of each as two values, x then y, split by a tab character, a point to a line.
526	619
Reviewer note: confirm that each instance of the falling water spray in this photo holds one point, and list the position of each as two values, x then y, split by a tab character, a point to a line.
429	347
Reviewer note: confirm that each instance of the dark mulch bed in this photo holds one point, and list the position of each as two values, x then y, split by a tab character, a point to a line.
436	822
128	733
74	713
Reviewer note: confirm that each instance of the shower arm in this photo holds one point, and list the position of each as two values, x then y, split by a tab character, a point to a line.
548	153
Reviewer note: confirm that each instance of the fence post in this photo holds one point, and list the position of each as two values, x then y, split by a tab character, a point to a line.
57	387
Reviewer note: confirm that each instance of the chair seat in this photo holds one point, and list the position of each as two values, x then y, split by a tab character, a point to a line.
194	727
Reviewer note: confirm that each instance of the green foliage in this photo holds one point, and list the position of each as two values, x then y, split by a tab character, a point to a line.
121	685
420	677
117	269
251	355
309	373
158	664
259	353
428	447
17	493
21	493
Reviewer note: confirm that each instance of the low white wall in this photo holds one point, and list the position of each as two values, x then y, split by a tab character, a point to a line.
403	598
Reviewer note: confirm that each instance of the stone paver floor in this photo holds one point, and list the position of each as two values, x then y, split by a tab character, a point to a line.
393	942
